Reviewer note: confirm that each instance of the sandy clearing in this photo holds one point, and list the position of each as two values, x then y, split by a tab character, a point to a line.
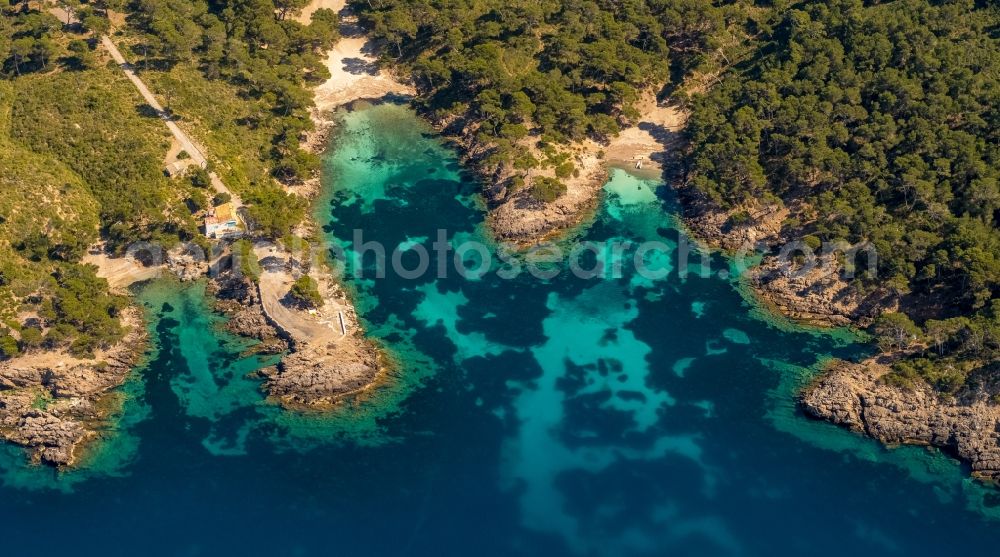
121	272
321	327
305	16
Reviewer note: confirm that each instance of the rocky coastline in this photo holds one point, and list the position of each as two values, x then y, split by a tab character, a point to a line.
237	297
848	394
820	296
815	294
318	367
53	404
854	396
316	377
514	215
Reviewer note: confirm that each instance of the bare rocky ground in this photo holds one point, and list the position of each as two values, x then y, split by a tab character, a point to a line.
814	292
238	298
817	294
853	396
53	403
321	375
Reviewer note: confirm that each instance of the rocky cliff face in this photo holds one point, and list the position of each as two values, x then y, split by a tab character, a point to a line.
51	402
853	396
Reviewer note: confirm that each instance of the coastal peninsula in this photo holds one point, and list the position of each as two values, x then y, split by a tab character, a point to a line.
56	393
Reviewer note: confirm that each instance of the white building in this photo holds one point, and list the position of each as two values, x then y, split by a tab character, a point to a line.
222	223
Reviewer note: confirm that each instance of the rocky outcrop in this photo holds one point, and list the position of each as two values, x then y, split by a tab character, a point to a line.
51	403
187	262
514	215
853	396
238	298
520	219
320	375
817	293
318	368
742	228
51	439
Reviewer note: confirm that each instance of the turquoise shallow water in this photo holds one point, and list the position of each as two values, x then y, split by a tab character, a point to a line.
623	416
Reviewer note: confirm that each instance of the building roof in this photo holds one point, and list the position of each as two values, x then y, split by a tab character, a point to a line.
223	213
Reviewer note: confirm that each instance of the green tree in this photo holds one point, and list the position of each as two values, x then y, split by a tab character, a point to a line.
546	189
8	347
273	212
286	7
305	290
96	24
896	330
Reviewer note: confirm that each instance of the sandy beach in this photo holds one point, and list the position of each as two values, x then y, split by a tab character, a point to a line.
639	149
354	71
655	132
354	76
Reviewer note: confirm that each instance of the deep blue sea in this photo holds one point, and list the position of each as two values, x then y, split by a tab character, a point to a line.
616	415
